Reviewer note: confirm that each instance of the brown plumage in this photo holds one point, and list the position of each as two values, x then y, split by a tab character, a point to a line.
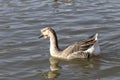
80	49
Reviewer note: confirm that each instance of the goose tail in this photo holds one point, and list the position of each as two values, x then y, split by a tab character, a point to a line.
94	49
96	36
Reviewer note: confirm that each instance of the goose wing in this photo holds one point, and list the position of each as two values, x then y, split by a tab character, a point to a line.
81	45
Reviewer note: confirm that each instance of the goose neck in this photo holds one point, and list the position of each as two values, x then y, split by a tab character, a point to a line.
53	43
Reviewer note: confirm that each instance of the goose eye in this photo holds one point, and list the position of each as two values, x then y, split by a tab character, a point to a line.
43	31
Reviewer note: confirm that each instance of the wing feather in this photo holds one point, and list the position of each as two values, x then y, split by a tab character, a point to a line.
80	45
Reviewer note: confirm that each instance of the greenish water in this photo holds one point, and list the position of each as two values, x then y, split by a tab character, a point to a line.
25	57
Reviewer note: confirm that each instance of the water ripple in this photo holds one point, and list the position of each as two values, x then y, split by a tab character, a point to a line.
23	56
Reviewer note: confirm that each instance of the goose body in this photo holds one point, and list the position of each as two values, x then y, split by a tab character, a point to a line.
82	49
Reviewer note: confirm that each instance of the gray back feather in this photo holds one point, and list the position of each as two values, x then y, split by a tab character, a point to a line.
81	45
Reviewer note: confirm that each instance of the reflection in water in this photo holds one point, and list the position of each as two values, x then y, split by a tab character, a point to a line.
55	7
92	63
58	5
55	0
54	67
67	1
54	64
51	74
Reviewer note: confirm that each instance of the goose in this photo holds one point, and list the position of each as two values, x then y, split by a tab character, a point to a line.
82	49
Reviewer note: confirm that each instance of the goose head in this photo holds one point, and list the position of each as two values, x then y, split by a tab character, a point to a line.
45	32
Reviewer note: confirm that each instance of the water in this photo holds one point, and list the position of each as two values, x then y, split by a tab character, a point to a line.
25	57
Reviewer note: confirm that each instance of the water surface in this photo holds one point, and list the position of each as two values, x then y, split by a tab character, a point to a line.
24	57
